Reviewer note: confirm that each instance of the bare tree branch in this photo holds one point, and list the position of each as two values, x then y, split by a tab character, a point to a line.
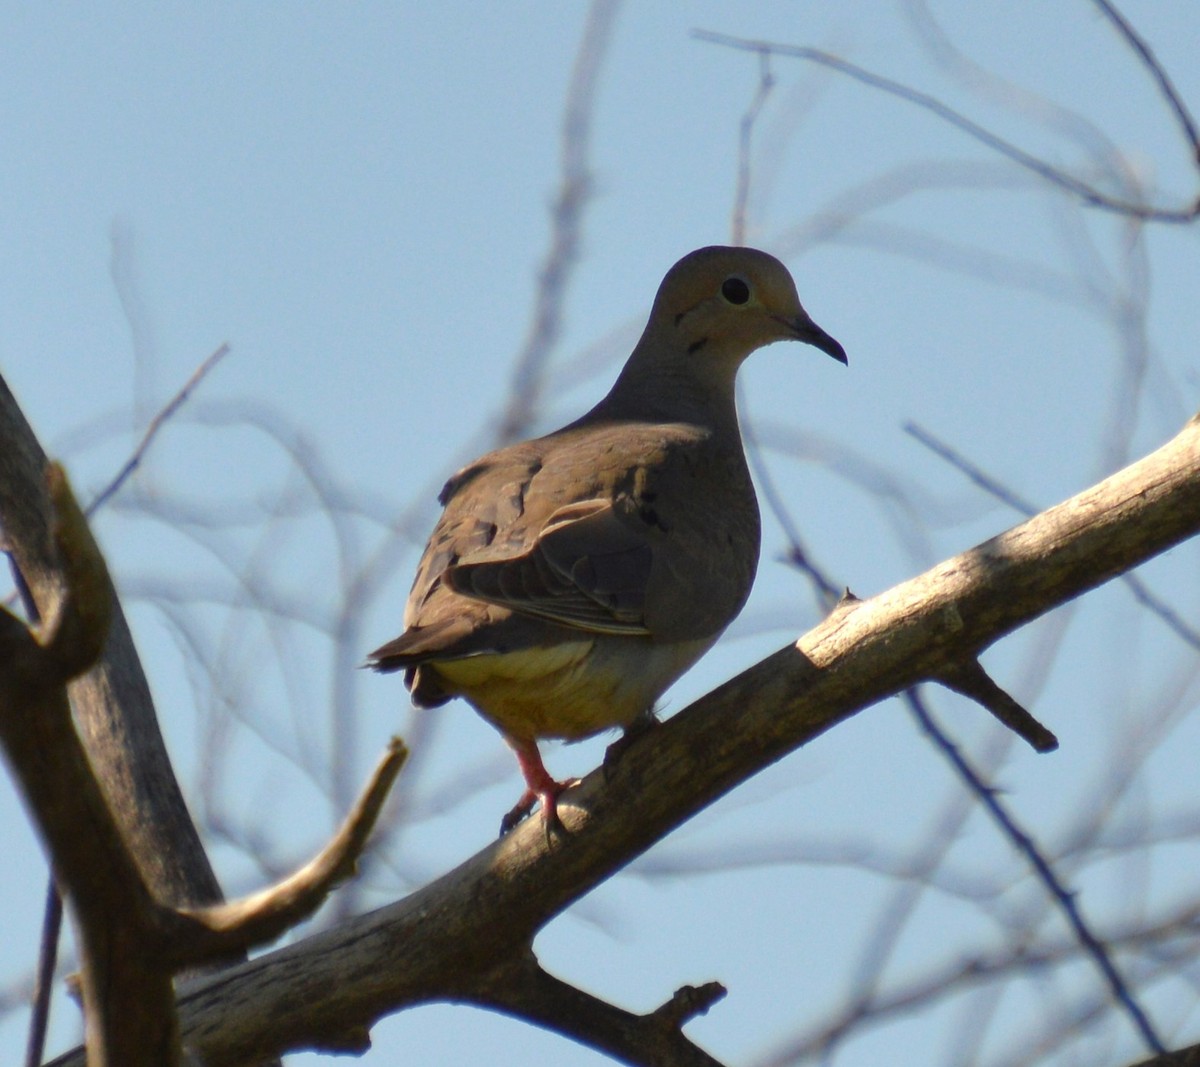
35	1042
741	196
155	425
241	924
573	194
131	945
322	992
127	994
962	974
112	701
1056	176
522	989
132	942
990	485
971	680
1178	108
1061	895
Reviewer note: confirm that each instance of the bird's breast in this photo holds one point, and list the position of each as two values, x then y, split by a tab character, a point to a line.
572	689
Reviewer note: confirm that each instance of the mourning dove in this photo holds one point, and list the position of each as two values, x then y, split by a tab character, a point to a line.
571	579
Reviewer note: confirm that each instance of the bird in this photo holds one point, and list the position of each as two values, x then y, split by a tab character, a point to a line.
571	579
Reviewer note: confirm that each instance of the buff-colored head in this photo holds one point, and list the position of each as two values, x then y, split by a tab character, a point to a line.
723	303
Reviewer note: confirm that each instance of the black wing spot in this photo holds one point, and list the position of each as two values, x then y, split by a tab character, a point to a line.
463	477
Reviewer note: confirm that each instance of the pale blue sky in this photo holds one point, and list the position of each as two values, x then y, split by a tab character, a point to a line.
356	197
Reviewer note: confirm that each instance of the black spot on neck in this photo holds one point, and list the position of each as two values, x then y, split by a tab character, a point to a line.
684	314
695	346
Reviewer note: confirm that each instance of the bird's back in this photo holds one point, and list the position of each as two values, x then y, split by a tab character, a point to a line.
657	522
678	557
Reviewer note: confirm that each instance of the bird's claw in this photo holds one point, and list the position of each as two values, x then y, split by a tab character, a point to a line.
639	727
547	797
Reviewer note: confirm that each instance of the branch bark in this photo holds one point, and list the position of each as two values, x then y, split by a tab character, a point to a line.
443	941
520	988
131	943
132	938
112	701
1184	1057
127	992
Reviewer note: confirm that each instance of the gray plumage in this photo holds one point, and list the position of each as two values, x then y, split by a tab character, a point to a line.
571	579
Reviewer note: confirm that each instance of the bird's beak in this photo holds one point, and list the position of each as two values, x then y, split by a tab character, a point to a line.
811	334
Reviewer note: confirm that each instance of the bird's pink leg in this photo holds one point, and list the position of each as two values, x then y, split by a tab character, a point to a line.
540	787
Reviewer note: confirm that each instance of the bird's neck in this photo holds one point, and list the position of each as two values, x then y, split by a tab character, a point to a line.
688	389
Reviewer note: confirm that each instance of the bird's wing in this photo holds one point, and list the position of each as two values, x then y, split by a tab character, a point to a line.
626	529
587	568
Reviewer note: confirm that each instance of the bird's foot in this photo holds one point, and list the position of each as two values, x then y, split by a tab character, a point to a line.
638	728
547	797
540	789
519	812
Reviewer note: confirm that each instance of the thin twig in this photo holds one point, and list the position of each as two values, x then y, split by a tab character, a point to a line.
241	924
43	992
574	192
826	591
969	679
925	865
1024	844
973	472
963	973
766	82
1089	194
156	424
1186	123
1041	866
35	1046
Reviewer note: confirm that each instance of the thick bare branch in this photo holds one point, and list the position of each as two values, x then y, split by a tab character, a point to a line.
112	701
425	947
127	992
131	944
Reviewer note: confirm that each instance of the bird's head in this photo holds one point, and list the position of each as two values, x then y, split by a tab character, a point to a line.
722	303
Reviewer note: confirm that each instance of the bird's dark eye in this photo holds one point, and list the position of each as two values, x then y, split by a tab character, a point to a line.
735	290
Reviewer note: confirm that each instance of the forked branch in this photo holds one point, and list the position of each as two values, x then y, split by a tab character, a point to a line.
446	939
